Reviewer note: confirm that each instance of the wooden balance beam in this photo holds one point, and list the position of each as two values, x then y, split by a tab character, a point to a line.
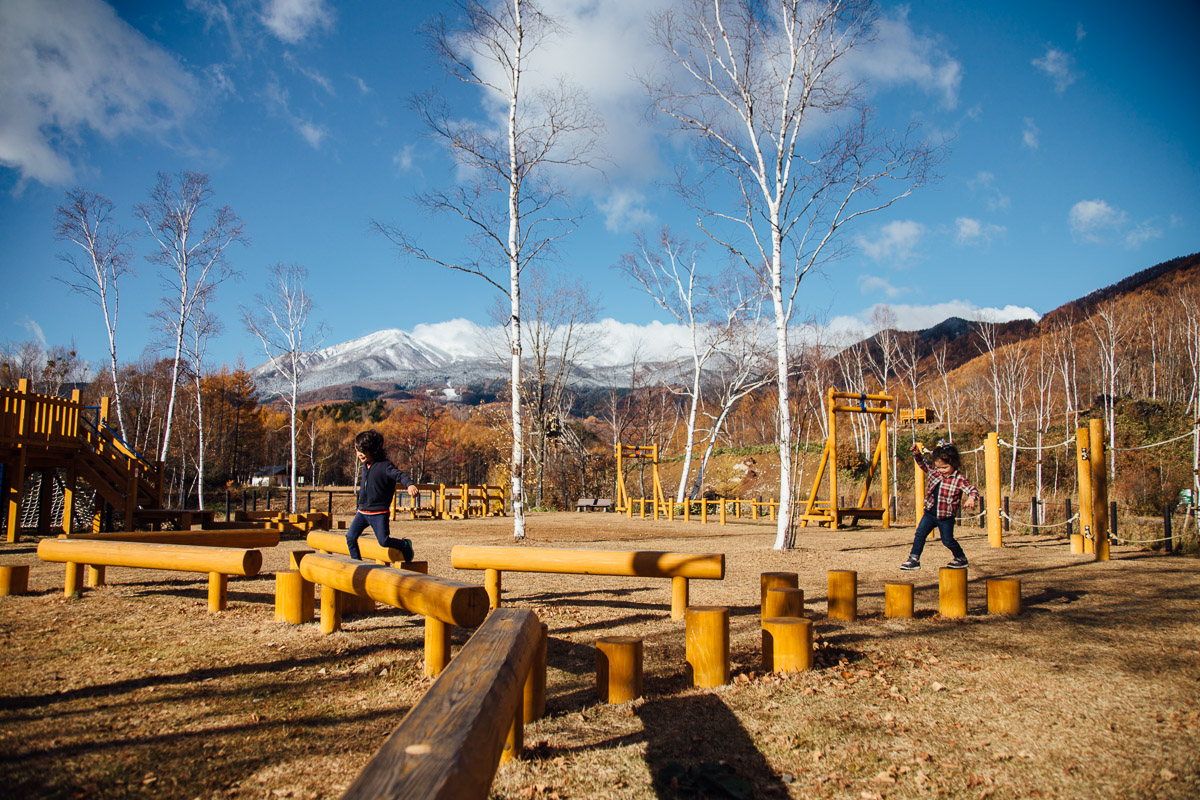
449	745
442	601
218	562
367	548
679	567
247	538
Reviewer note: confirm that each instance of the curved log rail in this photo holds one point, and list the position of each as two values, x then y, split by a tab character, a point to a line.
248	538
450	743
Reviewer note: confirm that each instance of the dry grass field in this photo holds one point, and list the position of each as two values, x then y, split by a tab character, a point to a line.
136	690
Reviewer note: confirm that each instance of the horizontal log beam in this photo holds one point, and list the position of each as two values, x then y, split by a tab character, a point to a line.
642	564
147	555
368	548
449	744
446	600
245	537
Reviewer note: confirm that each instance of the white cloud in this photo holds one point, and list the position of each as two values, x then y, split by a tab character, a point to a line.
311	74
1059	66
294	20
625	209
1079	32
75	67
1142	232
919	317
278	103
1029	134
971	231
33	329
899	55
896	242
1095	220
875	283
985	183
361	84
403	159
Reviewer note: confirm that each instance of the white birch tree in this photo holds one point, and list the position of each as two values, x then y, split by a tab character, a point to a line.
86	220
281	321
510	203
751	80
192	259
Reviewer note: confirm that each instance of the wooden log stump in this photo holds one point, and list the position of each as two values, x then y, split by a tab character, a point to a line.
14	579
774	580
898	600
218	591
73	584
1004	596
294	598
952	592
783	601
535	684
1077	546
679	596
619	668
707	645
786	644
843	594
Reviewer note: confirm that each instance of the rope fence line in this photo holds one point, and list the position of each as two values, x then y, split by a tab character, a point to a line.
1035	447
1122	539
1156	444
1031	524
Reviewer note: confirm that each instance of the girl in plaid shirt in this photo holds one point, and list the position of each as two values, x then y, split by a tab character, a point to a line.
944	484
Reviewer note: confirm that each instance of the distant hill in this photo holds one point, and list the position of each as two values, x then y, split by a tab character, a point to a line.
1158	279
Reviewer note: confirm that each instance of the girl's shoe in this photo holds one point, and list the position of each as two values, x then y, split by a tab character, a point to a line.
958	563
912	563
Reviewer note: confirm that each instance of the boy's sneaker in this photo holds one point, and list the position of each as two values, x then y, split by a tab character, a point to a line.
912	563
958	563
406	550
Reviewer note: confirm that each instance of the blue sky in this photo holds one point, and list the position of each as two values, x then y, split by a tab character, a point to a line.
1074	131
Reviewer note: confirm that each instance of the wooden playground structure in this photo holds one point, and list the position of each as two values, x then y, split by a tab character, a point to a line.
450	501
829	511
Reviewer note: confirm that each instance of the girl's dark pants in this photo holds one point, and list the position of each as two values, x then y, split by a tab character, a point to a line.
945	525
378	523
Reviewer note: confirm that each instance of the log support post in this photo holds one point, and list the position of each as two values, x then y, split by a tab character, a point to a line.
14	579
843	595
707	645
786	644
679	596
73	585
1004	596
218	591
491	584
898	600
437	646
294	598
535	684
952	593
94	576
619	668
331	610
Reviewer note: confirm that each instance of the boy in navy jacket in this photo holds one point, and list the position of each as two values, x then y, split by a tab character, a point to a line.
375	491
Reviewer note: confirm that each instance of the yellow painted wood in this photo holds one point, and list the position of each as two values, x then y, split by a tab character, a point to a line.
991	470
147	555
331	609
95	576
451	601
783	601
514	742
449	744
535	684
774	580
370	549
294	598
898	600
1083	474
73	585
707	645
843	594
645	564
252	538
295	557
437	646
786	644
918	493
952	593
619	668
218	591
679	596
14	579
1099	463
492	585
1004	596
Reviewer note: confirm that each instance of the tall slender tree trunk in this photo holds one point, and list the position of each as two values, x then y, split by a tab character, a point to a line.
784	520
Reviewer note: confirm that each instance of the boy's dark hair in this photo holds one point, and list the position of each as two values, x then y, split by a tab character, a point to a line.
370	444
947	454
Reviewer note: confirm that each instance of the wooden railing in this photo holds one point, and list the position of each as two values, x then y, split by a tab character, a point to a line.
37	420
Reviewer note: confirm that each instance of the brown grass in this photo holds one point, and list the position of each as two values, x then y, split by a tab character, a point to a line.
137	691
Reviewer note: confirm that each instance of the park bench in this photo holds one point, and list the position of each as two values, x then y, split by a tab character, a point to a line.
218	562
585	504
604	504
442	601
679	567
245	538
450	743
